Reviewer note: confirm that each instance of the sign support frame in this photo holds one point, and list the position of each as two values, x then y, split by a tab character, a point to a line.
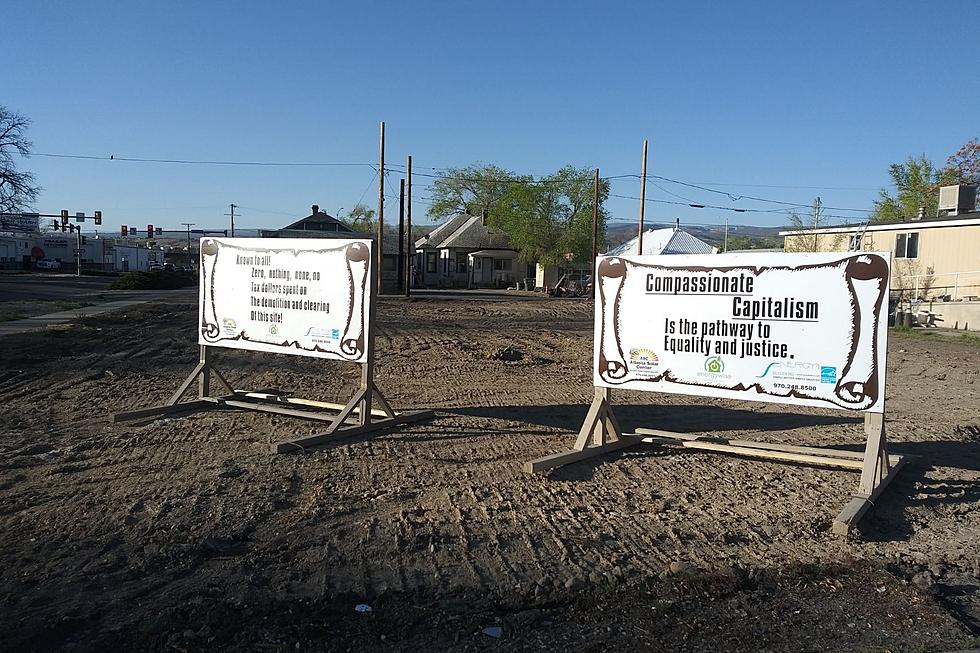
600	434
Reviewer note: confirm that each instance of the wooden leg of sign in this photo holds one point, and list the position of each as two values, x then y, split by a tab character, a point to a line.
877	472
600	434
202	374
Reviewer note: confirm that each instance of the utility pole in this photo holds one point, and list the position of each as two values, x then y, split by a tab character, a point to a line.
595	224
78	252
401	233
188	225
816	223
232	214
381	208
643	200
726	233
408	231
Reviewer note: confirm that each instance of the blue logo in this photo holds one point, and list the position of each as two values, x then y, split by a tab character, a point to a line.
828	375
335	334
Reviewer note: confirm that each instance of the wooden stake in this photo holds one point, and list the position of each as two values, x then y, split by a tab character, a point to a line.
408	228
643	201
595	225
381	208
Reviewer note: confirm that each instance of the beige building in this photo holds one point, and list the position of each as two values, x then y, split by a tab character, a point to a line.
932	258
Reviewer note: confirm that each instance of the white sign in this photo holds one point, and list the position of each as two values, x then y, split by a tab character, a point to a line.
802	329
309	297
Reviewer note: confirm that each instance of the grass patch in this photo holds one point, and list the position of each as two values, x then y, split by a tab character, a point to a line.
154	281
967	338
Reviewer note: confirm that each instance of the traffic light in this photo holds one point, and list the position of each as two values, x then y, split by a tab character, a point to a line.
55	225
64	216
149	231
98	217
124	229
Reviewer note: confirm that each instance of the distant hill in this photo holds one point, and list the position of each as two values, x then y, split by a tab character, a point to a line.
619	233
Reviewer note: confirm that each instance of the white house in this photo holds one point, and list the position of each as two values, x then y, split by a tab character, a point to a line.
464	252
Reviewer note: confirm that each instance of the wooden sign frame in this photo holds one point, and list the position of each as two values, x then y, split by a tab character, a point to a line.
357	417
601	434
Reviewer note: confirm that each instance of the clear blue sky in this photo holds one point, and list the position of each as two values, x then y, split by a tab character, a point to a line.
744	93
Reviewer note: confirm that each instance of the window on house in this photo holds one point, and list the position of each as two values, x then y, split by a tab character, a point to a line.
460	262
389	262
907	245
502	264
430	262
855	243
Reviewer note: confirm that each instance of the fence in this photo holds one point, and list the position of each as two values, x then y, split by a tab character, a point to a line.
952	285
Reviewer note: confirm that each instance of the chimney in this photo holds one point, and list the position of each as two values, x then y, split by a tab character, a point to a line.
484	217
316	209
677	224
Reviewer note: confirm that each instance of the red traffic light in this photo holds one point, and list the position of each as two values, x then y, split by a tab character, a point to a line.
149	231
124	230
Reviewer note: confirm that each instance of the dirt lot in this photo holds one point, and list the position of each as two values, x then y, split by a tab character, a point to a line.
186	534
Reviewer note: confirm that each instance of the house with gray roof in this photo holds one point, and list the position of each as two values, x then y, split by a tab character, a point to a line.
465	252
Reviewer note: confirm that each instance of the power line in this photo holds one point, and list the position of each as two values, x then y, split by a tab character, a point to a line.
130	159
444	176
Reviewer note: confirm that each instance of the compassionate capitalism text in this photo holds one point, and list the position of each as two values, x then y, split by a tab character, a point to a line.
700	284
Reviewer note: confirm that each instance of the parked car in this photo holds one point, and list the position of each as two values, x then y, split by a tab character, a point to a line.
48	264
156	266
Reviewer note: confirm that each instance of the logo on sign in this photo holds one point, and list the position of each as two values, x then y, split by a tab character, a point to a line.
828	375
273	330
230	326
714	365
645	355
644	362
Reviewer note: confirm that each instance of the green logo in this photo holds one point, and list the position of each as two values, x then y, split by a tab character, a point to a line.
714	365
273	329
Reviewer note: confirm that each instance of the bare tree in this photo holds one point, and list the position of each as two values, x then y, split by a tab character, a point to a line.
17	189
807	238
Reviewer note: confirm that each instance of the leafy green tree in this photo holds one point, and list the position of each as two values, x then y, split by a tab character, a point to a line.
548	220
474	189
917	183
360	219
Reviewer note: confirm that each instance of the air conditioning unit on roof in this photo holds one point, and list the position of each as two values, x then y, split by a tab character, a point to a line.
954	200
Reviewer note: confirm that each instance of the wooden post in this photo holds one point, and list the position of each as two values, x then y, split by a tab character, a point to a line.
381	209
409	260
595	225
643	201
204	380
600	434
401	234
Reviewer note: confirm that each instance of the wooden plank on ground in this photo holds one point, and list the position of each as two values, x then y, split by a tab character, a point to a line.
575	455
318	439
